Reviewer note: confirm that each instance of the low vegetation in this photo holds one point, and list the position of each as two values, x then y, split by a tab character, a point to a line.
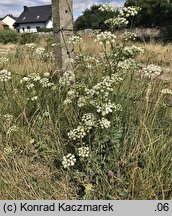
10	36
101	131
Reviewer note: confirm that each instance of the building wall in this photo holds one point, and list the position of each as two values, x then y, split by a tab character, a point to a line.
32	27
49	24
9	21
29	27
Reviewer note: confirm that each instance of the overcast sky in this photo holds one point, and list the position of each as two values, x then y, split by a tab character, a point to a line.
15	7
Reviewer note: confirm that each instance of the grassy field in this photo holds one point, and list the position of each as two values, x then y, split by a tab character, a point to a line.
129	135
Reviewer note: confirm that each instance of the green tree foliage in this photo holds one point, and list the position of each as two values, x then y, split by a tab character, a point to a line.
154	12
93	18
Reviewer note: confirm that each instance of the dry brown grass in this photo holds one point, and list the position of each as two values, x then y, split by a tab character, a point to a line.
90	46
25	179
154	53
7	46
157	53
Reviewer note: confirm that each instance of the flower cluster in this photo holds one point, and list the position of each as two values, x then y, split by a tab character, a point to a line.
151	71
107	108
71	95
30	45
45	82
67	79
34	98
104	123
75	40
105	37
127	64
90	62
105	86
54	44
129	11
84	152
68	161
14	128
77	133
5	75
124	13
41	55
3	60
8	150
30	86
166	91
39	51
132	51
108	7
117	22
129	36
46	74
8	117
98	95
89	121
82	101
34	77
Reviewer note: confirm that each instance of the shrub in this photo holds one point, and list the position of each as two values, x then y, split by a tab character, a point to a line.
45	30
8	36
27	38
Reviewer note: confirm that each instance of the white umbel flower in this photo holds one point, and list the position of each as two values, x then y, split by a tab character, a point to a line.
77	133
5	75
68	160
104	123
152	71
84	152
166	91
30	45
3	60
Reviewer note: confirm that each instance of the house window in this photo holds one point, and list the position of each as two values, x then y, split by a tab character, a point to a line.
28	27
37	28
18	30
23	29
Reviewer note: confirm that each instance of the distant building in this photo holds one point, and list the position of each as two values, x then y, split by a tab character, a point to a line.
34	18
3	25
9	20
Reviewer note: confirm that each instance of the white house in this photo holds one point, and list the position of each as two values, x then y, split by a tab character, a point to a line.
34	18
9	20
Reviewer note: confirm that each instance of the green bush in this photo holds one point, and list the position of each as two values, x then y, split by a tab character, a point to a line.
27	38
45	30
8	36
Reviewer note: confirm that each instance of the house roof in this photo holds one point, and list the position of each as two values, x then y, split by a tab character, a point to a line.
15	18
34	14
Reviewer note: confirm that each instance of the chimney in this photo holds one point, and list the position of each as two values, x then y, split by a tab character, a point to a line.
25	8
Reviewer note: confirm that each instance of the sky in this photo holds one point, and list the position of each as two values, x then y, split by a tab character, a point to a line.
15	7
